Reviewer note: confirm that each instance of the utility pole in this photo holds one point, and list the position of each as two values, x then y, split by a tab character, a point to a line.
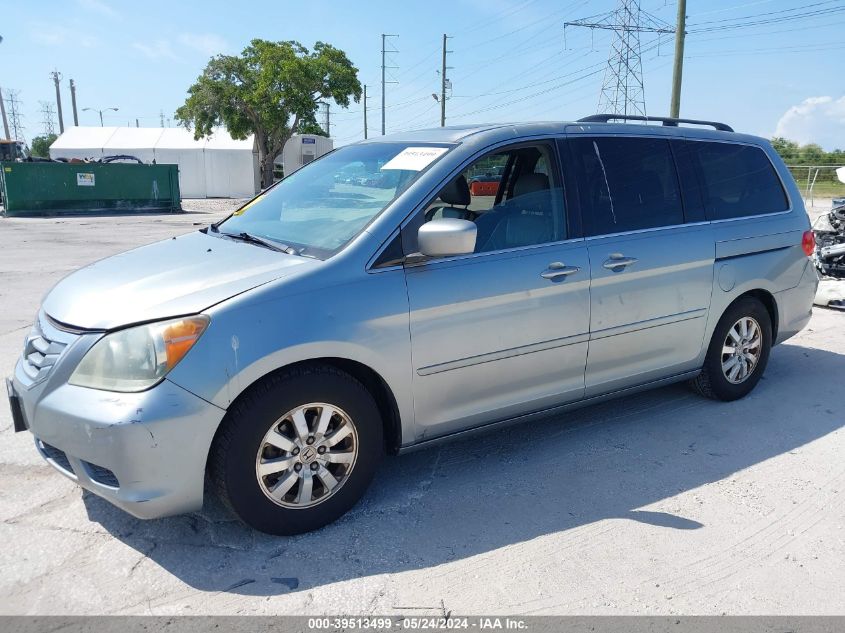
678	69
48	117
161	117
443	83
384	51
57	77
136	123
365	110
6	122
73	102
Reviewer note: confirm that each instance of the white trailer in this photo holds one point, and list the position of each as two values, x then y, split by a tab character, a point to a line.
301	149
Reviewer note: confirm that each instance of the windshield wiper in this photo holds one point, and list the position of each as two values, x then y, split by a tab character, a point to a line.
260	241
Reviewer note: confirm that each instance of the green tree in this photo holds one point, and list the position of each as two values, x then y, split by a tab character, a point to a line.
268	90
787	149
310	127
41	145
813	154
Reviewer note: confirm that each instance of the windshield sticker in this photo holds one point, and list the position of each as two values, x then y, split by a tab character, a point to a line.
414	158
248	205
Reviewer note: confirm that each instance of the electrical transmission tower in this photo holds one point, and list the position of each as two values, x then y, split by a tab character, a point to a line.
15	117
622	90
48	117
327	121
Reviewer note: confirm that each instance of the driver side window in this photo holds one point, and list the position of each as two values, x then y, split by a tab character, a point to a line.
514	197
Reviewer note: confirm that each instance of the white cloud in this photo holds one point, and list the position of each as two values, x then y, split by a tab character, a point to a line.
98	7
207	44
818	120
156	49
48	35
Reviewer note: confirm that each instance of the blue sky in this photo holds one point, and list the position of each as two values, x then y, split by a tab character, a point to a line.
510	59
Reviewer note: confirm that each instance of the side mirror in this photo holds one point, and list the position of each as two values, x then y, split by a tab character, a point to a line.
447	236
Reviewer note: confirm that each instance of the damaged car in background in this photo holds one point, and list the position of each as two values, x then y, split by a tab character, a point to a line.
829	256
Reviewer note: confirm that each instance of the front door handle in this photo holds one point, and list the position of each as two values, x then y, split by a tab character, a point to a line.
618	262
558	270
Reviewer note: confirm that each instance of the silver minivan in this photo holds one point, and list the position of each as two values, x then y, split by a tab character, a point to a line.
409	289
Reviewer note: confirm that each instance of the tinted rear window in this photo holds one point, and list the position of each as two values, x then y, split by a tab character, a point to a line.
736	180
627	184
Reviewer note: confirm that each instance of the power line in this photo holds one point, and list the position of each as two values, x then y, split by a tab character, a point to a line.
752	21
583	72
529	43
771	13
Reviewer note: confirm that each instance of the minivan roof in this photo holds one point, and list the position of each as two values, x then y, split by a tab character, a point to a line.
495	132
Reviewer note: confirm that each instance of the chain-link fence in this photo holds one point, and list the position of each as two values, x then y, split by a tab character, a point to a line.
818	181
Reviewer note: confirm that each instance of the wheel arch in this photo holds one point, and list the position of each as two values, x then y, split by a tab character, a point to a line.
768	300
367	376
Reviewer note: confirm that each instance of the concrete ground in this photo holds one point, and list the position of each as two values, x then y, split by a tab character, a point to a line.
657	504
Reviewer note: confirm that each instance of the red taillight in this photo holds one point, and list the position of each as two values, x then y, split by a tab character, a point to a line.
808	243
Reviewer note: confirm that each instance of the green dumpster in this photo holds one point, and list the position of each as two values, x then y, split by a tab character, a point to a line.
48	188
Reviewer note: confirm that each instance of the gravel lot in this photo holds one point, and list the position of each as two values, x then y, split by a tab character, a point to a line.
657	504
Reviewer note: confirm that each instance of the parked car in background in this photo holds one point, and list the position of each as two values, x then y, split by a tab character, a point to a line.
280	353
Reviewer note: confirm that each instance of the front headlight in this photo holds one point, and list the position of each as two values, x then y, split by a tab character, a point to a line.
139	357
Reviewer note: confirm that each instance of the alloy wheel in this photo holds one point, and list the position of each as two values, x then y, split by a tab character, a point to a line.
307	455
741	350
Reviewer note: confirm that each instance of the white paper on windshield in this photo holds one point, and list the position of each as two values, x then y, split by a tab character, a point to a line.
414	158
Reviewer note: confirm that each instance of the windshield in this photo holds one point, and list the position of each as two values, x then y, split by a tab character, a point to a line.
318	209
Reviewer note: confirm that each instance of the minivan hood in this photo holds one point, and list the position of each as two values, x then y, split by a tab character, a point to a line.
179	276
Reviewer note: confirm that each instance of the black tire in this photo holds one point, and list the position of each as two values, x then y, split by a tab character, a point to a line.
232	463
712	382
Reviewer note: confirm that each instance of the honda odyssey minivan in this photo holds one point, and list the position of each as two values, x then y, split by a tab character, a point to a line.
280	353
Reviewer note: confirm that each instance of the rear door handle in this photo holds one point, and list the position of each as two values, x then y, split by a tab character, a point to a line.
558	270
617	262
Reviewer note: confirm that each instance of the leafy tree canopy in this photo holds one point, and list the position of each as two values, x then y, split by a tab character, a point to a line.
41	145
311	127
271	89
793	153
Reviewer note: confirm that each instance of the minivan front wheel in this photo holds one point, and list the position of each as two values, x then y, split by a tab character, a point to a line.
298	450
738	352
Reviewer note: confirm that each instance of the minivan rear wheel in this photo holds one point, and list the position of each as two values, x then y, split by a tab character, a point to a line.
738	352
298	450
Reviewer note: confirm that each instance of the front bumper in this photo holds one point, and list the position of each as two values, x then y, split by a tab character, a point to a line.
144	452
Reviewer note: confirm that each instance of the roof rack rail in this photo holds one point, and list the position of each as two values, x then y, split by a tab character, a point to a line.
667	121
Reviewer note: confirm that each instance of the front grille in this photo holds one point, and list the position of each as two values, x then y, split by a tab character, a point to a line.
102	475
42	349
56	455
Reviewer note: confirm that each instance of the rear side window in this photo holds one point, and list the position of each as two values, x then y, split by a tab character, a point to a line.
627	184
736	180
